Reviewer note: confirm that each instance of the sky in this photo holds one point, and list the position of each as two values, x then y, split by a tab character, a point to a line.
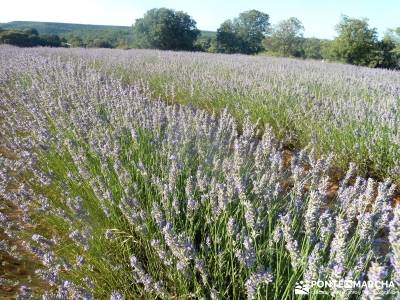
318	16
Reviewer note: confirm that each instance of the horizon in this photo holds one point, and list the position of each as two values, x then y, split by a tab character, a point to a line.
319	19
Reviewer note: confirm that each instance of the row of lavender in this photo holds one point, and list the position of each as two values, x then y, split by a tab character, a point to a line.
350	111
123	196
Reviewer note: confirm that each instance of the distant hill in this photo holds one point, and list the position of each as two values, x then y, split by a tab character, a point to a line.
59	28
209	34
64	28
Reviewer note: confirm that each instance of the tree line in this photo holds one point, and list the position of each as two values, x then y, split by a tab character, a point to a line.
85	39
108	38
30	38
249	33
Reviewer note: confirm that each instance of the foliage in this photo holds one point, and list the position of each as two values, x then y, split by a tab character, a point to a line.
228	40
85	35
165	29
101	38
29	38
52	40
75	41
387	54
392	37
249	33
286	38
208	34
312	48
204	43
356	43
243	34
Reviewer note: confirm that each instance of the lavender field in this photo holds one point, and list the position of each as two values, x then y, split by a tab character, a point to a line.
145	174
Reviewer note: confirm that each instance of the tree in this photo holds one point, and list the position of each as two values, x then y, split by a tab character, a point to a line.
312	48
243	34
165	29
28	38
30	32
356	43
228	40
20	38
286	38
392	37
51	40
252	26
203	43
386	55
100	43
75	40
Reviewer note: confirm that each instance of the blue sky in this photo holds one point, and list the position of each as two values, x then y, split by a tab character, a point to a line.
318	16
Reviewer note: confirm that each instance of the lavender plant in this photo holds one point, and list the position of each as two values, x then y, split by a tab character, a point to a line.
124	196
350	111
